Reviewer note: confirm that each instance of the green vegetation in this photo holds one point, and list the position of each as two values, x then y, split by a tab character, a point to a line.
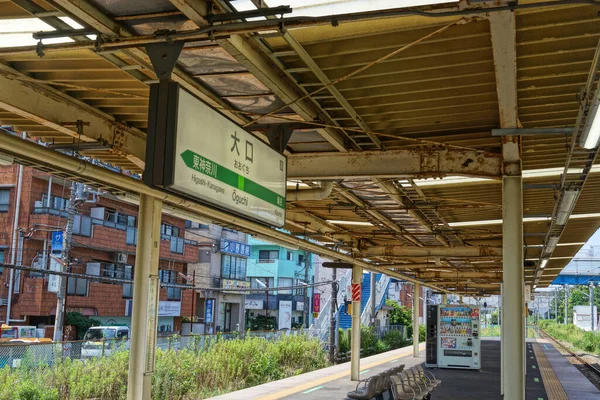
400	315
577	337
371	344
260	323
80	322
223	367
578	296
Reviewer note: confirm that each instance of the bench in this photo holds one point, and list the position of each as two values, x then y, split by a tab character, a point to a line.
396	383
414	384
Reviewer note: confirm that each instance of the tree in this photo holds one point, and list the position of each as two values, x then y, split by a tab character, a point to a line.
578	296
80	322
400	315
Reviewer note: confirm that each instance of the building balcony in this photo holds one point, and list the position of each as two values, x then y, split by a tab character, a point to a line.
114	237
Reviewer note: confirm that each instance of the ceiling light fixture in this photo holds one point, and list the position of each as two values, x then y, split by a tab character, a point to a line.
543	264
591	131
342	222
552	242
567	202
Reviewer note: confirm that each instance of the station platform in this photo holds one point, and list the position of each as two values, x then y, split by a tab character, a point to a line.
542	382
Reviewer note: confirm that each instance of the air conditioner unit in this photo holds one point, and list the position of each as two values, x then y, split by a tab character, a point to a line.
121	258
38	204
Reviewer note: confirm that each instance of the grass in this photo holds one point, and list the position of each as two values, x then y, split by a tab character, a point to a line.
578	338
223	367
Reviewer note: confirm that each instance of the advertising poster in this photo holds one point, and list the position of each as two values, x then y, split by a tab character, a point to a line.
285	315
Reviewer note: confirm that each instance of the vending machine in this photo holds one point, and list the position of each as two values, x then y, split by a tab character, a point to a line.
453	337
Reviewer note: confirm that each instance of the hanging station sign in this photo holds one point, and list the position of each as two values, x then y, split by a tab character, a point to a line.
201	154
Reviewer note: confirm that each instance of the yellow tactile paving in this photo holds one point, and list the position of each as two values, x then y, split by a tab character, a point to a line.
553	387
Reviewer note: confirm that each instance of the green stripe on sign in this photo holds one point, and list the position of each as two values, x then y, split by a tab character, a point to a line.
210	168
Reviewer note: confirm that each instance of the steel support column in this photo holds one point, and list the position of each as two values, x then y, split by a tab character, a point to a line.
514	328
373	283
357	272
416	295
144	316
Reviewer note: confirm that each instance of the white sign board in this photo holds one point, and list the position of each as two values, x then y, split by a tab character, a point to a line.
54	280
285	315
254	304
527	293
299	306
219	162
169	308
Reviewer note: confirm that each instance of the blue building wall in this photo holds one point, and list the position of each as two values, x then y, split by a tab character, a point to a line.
290	264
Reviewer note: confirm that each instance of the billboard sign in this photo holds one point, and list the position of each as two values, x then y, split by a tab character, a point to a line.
254	304
57	240
231	247
54	280
317	302
285	315
208	313
210	158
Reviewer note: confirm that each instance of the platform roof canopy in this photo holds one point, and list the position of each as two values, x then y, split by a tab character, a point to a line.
399	99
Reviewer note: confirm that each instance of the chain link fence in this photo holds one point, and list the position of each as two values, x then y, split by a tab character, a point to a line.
35	355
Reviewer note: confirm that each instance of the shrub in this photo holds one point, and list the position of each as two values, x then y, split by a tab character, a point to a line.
394	339
222	366
344	341
368	340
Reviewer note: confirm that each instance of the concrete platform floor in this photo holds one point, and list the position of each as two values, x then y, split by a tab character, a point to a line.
333	383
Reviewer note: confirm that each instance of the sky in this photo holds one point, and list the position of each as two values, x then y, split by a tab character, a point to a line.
19	32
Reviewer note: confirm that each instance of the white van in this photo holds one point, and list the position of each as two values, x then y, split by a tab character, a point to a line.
104	340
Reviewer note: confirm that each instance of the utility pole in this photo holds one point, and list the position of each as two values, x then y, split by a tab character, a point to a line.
64	257
306	324
592	321
267	305
373	283
566	304
332	311
556	304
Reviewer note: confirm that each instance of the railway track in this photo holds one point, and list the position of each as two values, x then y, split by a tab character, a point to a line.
589	370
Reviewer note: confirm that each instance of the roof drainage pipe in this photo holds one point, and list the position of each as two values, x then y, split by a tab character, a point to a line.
320	193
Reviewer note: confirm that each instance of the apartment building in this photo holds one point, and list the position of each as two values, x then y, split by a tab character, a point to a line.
103	243
222	265
271	265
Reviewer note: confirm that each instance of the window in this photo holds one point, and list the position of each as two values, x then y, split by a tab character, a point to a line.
4	199
170	276
196	225
177	245
254	282
131	221
268	254
131	236
285	282
77	286
300	259
233	267
1	259
56	202
122	334
169	230
82	226
290	256
127	287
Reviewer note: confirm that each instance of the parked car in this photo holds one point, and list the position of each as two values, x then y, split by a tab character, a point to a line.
105	340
